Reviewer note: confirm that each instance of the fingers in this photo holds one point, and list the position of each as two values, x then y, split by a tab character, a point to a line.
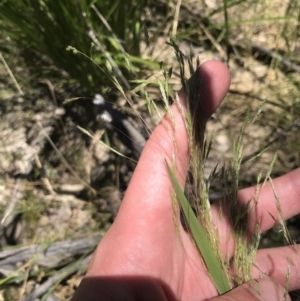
148	195
261	290
287	189
278	263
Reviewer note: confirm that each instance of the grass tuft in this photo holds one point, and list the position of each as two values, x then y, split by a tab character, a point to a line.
94	28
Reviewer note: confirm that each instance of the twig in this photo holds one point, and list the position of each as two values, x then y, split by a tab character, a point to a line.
213	41
278	137
45	180
287	63
64	161
51	297
176	17
57	278
51	89
11	74
47	256
8	213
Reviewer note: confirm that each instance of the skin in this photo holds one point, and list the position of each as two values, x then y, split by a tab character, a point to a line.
143	258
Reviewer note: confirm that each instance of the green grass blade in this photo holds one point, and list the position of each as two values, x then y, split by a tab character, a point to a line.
213	265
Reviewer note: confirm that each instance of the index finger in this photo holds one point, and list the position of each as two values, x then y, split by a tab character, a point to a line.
265	204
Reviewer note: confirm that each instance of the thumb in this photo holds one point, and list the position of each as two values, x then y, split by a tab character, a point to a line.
258	290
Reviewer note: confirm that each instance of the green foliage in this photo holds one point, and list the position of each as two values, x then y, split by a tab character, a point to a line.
98	29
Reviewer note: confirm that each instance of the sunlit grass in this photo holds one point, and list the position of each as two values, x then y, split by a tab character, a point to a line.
99	30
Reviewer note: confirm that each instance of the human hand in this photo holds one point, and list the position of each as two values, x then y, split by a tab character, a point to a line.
142	257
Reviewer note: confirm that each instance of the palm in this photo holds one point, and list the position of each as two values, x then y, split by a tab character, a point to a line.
144	246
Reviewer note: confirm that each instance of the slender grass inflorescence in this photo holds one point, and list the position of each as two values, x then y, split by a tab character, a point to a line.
205	235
